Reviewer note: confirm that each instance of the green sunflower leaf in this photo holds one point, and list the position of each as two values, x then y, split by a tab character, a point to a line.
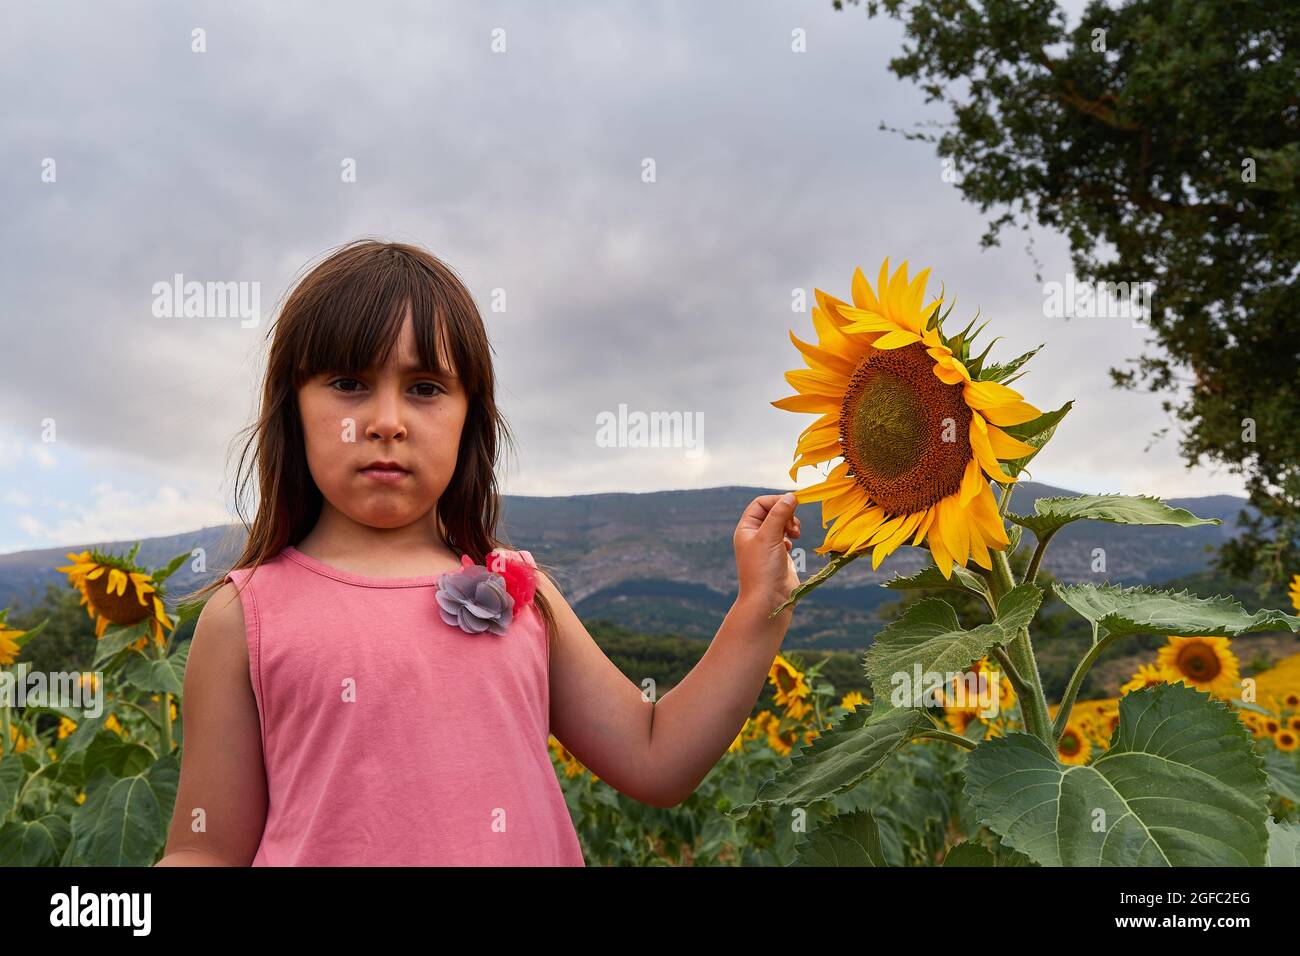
931	578
1283	844
849	839
929	638
11	783
1283	777
124	819
839	759
116	639
1037	432
158	676
1052	514
1142	610
1179	786
34	843
836	562
971	853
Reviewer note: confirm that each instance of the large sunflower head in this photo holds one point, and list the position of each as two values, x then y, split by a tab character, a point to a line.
917	421
115	590
1205	663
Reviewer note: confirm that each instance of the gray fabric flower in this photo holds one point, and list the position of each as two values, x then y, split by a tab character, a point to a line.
475	600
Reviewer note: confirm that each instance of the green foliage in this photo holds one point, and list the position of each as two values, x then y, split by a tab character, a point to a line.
839	759
1118	611
1179	786
928	636
1052	514
101	794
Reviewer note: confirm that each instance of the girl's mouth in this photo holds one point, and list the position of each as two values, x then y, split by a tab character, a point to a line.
385	471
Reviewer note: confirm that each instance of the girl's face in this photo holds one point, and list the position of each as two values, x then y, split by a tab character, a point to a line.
382	444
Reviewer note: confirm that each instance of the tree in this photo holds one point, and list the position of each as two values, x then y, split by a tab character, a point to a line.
1160	137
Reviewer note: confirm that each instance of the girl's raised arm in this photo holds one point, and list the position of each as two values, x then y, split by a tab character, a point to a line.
659	752
221	801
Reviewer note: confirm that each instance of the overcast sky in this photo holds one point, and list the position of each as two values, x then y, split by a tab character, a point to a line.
523	170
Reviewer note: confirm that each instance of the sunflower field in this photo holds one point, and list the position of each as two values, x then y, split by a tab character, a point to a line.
1175	773
955	757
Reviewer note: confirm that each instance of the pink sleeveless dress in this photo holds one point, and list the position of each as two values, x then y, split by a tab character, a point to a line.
391	738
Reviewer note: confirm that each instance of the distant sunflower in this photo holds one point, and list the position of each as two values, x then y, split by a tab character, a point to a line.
571	764
1074	748
1294	592
115	591
959	719
1204	663
853	700
782	741
1286	740
1148	675
917	429
792	688
9	643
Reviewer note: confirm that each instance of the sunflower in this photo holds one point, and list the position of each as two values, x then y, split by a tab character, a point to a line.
9	643
917	428
738	744
115	591
1074	747
791	688
782	742
572	766
1286	740
1294	592
853	700
1204	663
959	719
17	742
1148	675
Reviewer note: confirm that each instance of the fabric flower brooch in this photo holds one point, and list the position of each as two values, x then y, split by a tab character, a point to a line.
480	598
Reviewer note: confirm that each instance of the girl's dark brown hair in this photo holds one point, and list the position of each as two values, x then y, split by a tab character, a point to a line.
345	316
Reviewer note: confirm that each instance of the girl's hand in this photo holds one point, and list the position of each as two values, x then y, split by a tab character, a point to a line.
763	542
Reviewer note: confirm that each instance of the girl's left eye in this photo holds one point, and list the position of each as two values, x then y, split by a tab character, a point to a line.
436	389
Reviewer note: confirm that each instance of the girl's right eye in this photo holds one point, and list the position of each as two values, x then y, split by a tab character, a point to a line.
340	383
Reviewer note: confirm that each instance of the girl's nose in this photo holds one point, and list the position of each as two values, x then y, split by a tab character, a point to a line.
386	418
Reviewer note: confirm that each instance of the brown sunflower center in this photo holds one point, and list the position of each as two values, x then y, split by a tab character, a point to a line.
124	608
1199	662
905	434
1069	744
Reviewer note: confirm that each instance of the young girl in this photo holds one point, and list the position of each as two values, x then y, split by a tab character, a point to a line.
375	681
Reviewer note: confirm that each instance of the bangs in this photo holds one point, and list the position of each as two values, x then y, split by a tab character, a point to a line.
353	319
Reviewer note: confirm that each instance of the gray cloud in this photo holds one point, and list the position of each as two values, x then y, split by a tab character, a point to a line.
522	170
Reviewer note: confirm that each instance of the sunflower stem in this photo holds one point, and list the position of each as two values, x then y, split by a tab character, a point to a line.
947	737
1076	681
1021	653
1031	573
1022	689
